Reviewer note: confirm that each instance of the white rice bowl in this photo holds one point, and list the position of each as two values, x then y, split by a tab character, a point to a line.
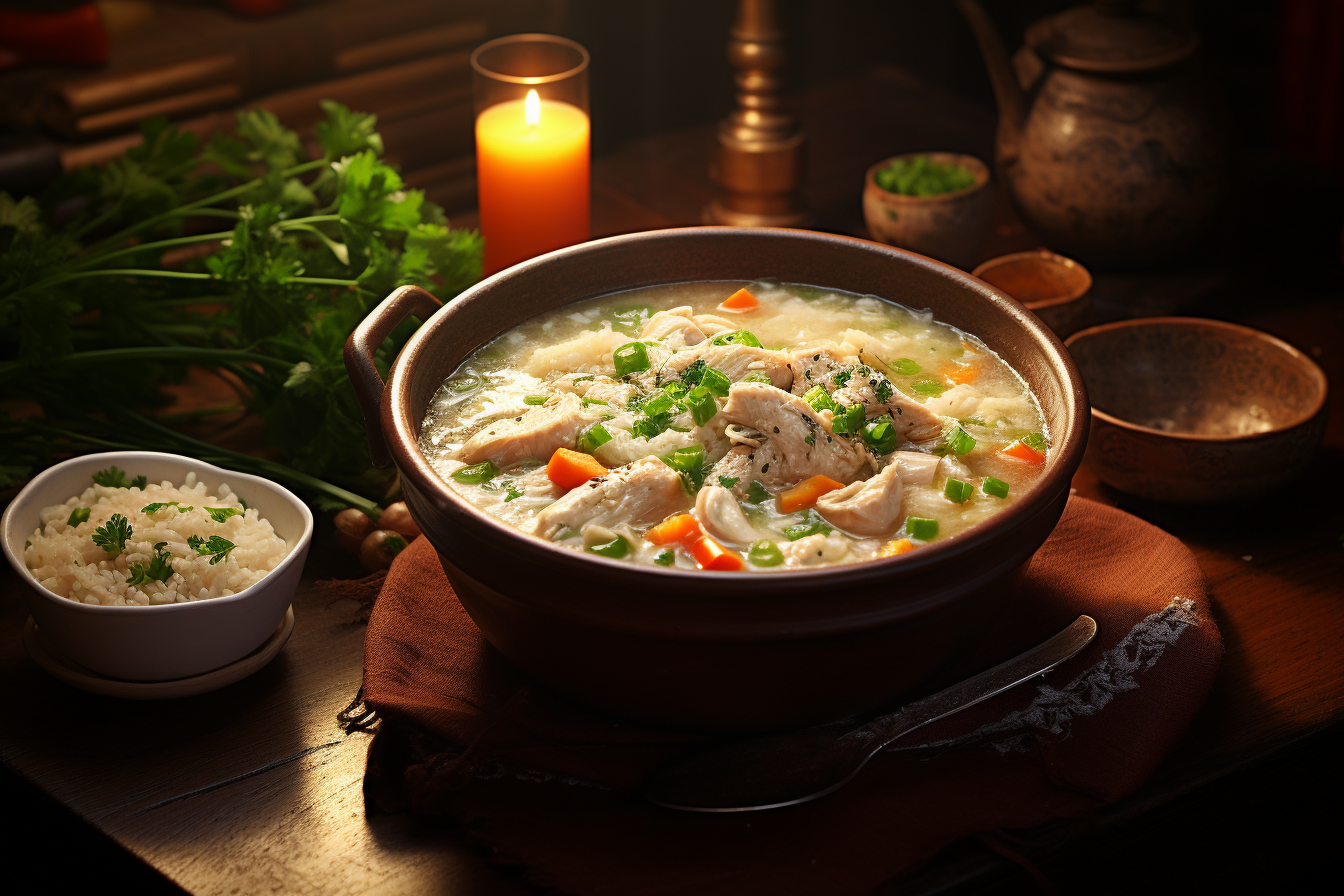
65	560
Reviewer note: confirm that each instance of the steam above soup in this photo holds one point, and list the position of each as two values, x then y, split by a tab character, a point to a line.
730	426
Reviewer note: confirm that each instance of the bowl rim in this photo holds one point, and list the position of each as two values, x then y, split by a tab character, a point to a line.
978	168
25	496
1040	254
399	427
1292	351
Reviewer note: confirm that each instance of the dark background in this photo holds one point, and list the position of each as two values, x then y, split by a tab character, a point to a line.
660	64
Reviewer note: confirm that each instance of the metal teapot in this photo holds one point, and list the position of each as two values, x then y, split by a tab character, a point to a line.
1110	140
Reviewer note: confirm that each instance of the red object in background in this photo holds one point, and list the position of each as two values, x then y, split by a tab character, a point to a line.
1311	81
75	36
258	7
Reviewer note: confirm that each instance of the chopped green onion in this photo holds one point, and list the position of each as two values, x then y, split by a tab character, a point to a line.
661	403
757	494
959	441
996	487
77	516
1035	440
737	337
812	524
841	378
929	387
650	427
848	420
690	463
676	389
512	493
700	402
922	529
564	533
716	381
665	557
756	377
905	367
593	438
727	481
880	434
957	492
475	475
884	391
819	398
534	399
589	402
630	358
617	548
765	553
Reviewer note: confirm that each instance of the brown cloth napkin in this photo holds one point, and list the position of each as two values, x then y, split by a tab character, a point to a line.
545	782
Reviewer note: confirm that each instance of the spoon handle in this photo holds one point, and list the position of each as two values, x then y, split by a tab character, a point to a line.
1037	661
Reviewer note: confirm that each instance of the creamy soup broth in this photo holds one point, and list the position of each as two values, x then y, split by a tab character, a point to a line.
816	427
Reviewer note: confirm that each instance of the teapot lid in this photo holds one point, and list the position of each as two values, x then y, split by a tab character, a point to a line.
1110	36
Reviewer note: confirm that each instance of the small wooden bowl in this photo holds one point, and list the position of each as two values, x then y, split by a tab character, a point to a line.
950	227
1194	411
1056	289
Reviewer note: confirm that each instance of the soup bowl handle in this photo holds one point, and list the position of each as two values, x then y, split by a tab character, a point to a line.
360	349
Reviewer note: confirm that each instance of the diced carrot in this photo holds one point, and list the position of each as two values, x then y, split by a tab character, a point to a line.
679	528
1022	451
962	373
806	493
740	301
896	546
570	469
714	556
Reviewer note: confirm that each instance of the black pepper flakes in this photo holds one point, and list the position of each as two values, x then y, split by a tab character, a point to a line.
765	469
776	430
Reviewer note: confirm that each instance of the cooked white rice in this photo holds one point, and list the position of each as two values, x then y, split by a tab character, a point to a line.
66	561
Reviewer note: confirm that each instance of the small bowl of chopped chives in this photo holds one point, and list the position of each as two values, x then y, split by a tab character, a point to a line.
933	203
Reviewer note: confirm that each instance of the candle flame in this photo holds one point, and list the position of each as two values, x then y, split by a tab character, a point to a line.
532	108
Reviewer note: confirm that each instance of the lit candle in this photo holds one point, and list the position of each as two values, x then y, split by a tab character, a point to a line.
531	178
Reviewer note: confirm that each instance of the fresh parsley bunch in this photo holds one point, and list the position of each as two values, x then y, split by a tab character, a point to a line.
241	255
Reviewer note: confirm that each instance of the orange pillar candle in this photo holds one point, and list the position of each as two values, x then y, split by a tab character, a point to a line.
532	178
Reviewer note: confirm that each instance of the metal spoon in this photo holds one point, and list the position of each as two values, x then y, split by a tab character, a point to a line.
769	772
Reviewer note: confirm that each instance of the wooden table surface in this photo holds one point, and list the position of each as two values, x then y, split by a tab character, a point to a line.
256	788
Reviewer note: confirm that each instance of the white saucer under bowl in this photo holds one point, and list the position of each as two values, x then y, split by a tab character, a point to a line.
48	657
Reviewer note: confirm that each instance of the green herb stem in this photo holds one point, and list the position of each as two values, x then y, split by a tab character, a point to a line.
158	244
197	207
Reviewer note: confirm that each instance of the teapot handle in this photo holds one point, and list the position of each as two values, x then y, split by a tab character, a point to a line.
359	352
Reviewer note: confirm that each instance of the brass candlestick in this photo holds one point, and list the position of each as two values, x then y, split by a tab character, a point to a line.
758	165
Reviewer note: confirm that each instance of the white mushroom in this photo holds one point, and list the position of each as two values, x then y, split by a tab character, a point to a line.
721	515
864	508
